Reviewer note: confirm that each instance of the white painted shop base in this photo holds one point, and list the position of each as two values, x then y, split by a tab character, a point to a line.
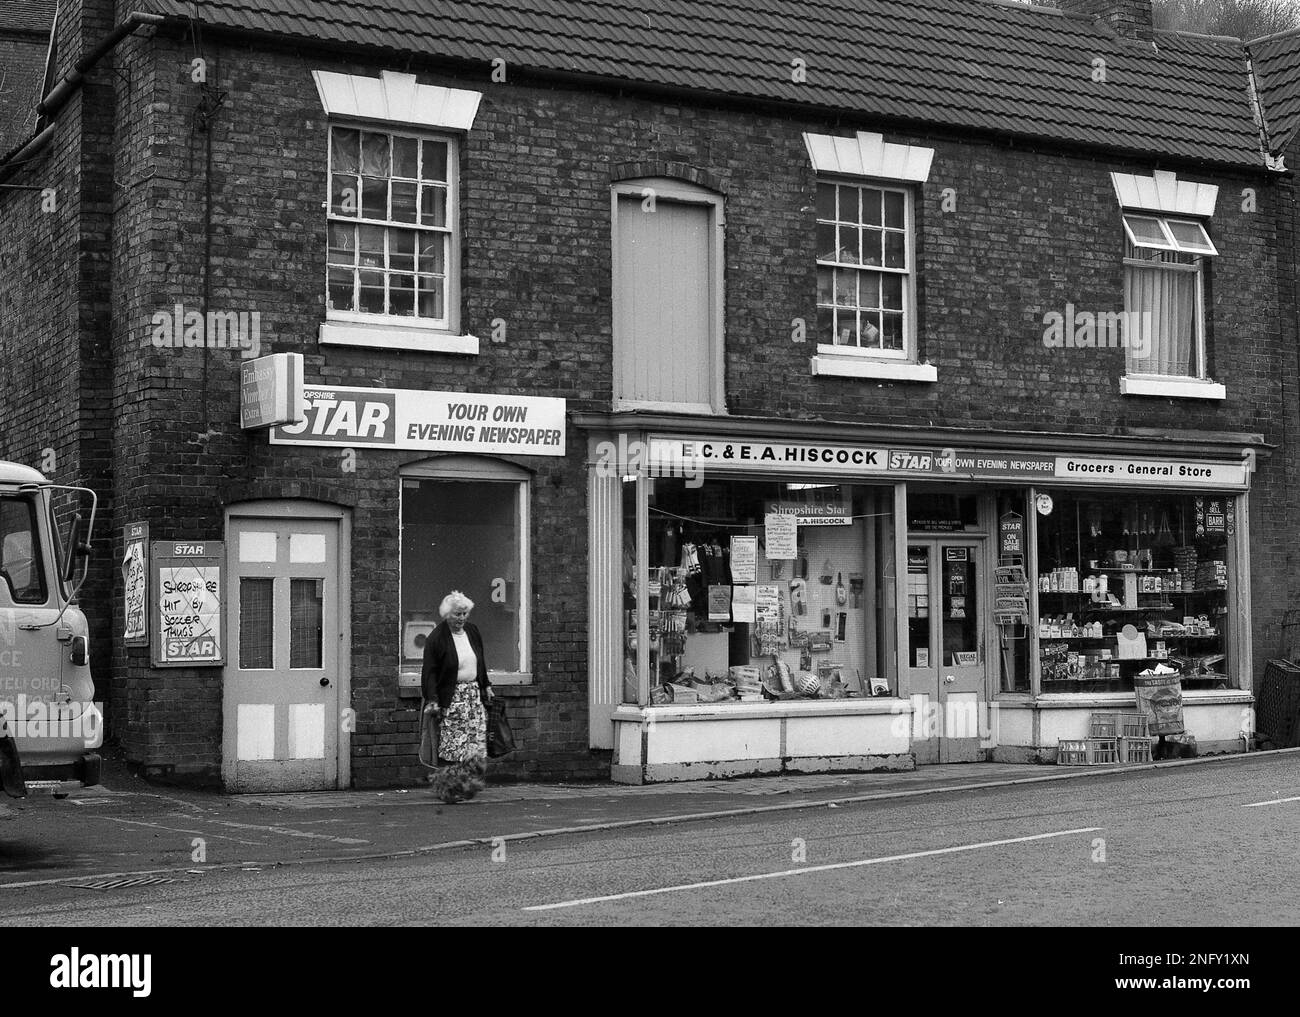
657	744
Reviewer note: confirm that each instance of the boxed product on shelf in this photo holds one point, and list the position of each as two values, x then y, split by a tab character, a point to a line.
1211	575
1130	644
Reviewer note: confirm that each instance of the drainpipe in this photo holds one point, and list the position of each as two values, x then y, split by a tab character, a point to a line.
61	93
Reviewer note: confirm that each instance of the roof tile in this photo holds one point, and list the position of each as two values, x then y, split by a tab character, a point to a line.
955	63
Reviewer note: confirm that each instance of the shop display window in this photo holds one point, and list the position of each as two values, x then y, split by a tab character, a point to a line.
1134	585
465	534
759	591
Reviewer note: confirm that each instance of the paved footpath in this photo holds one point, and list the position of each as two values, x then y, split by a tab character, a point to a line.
128	826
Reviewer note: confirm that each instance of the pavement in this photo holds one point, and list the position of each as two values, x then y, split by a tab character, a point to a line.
127	827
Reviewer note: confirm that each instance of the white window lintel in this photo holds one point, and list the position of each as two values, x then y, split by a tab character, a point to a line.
869	155
1164	192
396	98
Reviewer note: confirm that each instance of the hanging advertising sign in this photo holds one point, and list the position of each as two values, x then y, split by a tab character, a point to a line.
430	421
186	591
806	513
135	584
270	391
1011	534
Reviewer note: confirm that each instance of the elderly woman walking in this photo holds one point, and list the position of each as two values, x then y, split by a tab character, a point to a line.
456	692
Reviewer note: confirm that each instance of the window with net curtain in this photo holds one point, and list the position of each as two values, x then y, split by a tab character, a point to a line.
1164	284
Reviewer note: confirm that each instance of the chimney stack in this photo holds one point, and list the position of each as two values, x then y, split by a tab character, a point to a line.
1129	18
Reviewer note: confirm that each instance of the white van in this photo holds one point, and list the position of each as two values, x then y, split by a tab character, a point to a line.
46	692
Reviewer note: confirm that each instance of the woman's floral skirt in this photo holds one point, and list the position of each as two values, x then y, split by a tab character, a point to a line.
462	746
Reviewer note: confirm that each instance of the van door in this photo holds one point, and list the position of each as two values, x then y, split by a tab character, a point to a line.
30	653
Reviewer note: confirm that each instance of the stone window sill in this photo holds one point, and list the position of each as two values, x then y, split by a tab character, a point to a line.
864	367
396	337
1171	388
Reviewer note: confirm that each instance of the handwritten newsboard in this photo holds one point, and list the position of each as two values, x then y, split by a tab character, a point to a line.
135	585
186	594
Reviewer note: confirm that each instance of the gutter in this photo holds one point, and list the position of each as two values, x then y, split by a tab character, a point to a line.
61	94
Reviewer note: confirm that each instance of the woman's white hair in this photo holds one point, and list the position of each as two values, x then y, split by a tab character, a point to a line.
455	599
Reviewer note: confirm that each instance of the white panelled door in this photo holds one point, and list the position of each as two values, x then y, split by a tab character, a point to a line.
281	718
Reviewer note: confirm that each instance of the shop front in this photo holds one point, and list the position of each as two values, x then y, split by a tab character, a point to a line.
769	597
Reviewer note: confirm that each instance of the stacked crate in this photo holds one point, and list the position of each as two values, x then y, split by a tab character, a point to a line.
1134	738
1112	738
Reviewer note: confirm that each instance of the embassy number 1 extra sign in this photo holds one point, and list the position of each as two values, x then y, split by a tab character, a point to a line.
186	603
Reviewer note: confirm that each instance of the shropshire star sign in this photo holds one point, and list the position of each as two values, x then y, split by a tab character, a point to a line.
433	421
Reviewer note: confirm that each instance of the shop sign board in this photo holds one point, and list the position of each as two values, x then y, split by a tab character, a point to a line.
187	592
270	391
843	460
429	421
785	457
135	584
819	513
1160	472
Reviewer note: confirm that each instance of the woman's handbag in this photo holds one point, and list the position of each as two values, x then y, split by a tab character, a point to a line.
429	732
500	739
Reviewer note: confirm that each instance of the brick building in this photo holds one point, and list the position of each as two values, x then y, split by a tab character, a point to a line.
676	324
24	44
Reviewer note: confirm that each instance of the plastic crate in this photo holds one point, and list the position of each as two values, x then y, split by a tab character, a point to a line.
1072	752
1103	750
1277	708
1134	750
1134	725
1103	725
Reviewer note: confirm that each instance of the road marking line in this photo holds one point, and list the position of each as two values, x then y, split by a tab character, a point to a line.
286	831
1275	801
173	829
808	869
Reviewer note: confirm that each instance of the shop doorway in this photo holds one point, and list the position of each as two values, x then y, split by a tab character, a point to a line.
286	672
946	665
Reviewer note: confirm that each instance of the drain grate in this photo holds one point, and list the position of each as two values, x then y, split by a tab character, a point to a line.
118	884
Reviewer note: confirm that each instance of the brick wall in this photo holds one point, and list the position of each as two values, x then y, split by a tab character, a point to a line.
55	361
1032	230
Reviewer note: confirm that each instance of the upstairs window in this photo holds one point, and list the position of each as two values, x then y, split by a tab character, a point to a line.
392	222
864	270
1164	262
393	244
668	296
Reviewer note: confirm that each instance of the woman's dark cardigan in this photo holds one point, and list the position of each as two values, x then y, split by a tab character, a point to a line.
441	663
